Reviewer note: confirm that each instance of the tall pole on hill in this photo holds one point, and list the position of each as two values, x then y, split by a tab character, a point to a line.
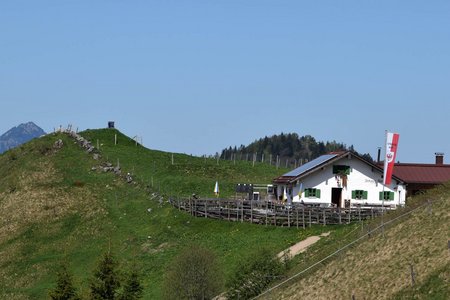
389	161
384	182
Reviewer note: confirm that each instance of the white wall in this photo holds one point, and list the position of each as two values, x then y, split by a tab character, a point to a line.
361	177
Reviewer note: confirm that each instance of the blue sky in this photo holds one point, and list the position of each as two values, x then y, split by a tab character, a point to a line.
197	76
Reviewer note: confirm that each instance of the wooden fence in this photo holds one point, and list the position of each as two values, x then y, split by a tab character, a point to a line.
272	213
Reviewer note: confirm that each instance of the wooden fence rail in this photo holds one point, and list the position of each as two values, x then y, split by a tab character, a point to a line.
271	213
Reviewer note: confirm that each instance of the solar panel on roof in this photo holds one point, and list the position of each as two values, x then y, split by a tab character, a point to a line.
310	165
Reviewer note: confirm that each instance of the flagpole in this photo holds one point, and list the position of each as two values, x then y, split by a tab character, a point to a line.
384	180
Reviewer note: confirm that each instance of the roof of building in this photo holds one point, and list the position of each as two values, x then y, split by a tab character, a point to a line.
422	173
310	165
318	163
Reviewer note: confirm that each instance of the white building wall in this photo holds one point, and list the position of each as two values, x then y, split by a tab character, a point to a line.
362	177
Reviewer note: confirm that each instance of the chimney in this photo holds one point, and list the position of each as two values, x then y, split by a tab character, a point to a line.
439	158
379	155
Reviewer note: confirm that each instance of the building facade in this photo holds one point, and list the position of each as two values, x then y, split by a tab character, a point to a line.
339	179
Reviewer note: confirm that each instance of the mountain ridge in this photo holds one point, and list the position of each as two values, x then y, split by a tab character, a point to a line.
19	135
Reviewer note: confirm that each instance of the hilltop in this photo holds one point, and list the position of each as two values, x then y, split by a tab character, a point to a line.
57	203
18	135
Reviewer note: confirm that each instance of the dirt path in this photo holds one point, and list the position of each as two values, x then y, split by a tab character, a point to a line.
303	245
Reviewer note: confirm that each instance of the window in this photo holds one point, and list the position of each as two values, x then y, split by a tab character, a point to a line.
359	195
387	196
312	193
341	169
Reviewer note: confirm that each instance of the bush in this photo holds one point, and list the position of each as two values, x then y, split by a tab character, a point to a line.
254	274
193	274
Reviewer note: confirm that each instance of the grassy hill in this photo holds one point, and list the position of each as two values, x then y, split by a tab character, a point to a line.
54	207
380	267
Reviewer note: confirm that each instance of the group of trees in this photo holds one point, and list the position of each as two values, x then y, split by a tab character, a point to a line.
106	283
194	274
288	146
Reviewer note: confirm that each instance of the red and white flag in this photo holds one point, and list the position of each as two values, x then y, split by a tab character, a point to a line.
389	159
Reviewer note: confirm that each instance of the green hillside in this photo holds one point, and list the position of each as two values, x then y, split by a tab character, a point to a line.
54	206
380	267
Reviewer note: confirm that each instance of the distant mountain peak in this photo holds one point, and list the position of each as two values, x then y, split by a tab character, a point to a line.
18	135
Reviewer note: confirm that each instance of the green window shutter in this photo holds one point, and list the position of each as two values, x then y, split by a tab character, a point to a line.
306	192
365	195
317	193
391	196
381	195
353	194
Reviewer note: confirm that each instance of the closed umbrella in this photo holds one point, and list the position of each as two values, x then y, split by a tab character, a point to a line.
216	189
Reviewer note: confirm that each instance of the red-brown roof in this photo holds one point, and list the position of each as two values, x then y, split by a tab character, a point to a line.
422	173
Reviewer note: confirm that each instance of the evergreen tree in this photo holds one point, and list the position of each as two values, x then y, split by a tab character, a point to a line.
290	147
105	283
64	289
132	289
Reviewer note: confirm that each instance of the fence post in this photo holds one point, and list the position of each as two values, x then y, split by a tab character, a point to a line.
413	275
303	217
340	215
349	215
359	213
206	209
309	217
267	210
289	217
242	211
296	209
275	214
324	217
251	211
195	208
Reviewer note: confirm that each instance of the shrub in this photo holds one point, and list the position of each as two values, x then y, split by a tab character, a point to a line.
254	274
193	274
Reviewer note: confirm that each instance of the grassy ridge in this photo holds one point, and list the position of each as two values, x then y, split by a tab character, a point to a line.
53	206
379	267
187	175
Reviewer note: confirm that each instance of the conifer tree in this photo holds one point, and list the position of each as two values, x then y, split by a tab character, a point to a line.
132	289
64	289
105	283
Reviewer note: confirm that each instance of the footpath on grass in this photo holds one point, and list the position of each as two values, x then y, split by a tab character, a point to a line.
301	246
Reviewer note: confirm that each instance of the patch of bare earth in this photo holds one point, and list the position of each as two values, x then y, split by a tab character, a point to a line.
302	246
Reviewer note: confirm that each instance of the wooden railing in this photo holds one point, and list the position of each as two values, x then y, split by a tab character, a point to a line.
272	213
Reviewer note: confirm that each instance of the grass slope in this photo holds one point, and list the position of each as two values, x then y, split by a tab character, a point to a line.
54	207
379	268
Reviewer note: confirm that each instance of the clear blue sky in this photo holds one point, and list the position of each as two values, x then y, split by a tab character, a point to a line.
198	76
